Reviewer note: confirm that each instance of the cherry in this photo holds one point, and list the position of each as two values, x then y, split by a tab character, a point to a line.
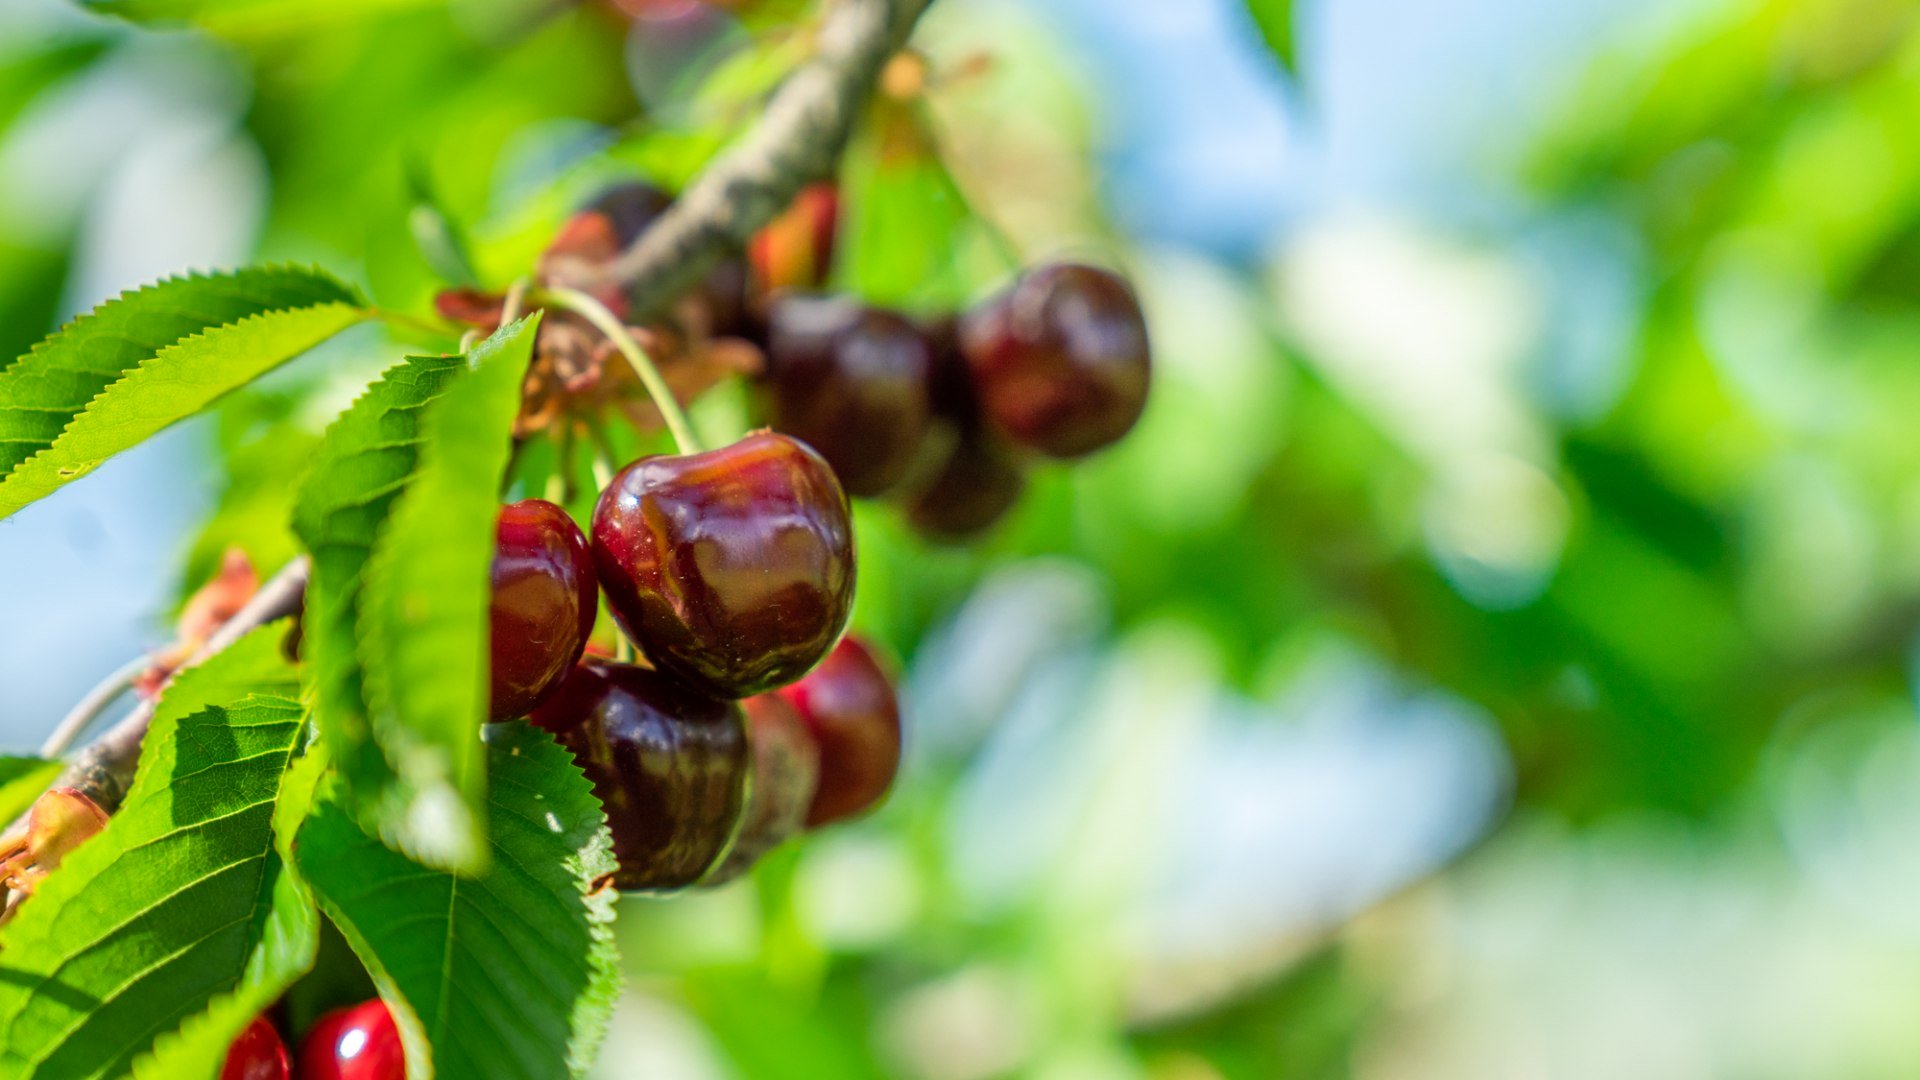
544	602
1060	359
849	704
359	1042
852	382
733	568
973	489
258	1054
969	479
668	763
795	250
786	770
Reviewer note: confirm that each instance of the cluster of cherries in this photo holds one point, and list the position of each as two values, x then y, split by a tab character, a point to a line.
942	412
751	718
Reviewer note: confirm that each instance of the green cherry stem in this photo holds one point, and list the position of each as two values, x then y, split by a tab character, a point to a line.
609	324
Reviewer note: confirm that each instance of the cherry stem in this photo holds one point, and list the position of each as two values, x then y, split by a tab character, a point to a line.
89	708
609	324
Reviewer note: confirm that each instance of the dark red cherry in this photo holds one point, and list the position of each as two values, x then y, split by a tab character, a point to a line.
973	488
795	250
258	1054
848	703
853	383
786	770
544	603
359	1042
1060	359
668	763
733	568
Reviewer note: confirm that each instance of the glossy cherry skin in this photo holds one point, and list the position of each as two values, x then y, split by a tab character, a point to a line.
258	1054
733	568
795	250
849	705
360	1042
786	772
545	597
669	764
851	381
1060	360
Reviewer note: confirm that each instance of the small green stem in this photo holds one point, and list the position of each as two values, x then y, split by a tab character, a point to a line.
609	324
412	322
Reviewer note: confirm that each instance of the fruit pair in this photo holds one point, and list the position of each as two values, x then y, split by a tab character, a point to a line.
732	569
360	1042
673	766
1058	365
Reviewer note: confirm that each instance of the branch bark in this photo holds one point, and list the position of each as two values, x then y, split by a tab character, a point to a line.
105	768
799	138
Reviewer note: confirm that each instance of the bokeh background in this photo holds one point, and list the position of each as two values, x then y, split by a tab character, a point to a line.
1493	656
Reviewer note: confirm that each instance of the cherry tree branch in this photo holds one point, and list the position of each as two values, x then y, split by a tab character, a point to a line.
800	136
104	769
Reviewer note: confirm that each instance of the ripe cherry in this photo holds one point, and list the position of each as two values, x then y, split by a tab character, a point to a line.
544	603
1060	359
849	704
258	1054
786	771
852	382
973	488
795	250
360	1042
668	763
733	568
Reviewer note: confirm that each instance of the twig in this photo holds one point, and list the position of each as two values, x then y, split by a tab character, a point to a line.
105	693
103	770
800	136
607	323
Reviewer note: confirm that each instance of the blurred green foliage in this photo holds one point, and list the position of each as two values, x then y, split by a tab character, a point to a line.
1719	542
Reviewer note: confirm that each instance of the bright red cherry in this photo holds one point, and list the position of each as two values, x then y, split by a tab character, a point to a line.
853	383
668	763
360	1042
258	1054
544	603
1060	360
786	770
733	568
849	704
795	250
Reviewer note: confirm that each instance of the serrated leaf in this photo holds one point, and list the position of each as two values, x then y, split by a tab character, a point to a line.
22	779
139	363
506	975
424	615
1275	21
171	904
289	943
398	514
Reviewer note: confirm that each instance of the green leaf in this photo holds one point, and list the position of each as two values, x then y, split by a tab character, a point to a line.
22	779
1275	20
399	514
509	974
289	943
181	898
137	364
